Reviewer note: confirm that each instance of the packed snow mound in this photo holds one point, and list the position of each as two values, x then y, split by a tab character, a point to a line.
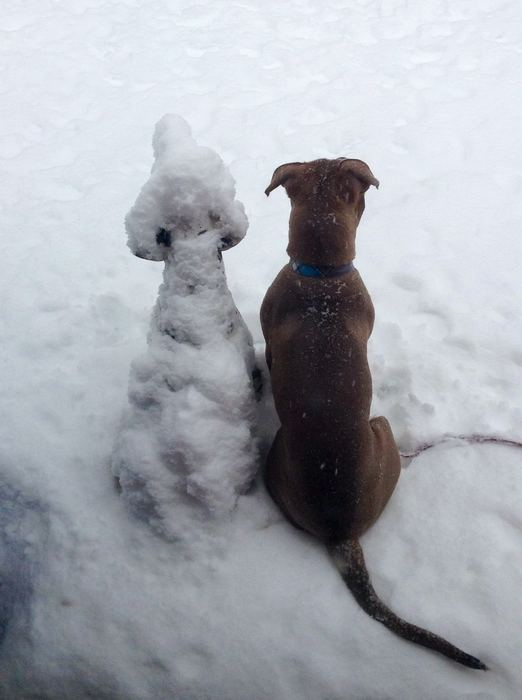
186	448
189	192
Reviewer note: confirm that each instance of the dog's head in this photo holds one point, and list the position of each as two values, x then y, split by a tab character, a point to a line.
325	183
189	193
327	198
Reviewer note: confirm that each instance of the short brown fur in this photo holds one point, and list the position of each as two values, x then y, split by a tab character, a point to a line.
331	468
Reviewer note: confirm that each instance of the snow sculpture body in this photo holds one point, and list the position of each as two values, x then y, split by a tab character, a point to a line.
186	447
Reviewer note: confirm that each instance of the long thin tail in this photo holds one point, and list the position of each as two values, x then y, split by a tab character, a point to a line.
349	559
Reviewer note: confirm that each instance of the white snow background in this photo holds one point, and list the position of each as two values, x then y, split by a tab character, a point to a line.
93	604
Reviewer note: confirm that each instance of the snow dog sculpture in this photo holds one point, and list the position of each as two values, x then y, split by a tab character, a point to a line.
186	448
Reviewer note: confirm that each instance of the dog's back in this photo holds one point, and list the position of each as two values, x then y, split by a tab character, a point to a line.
317	331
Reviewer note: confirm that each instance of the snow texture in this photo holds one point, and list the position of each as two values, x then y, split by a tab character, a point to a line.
187	438
94	603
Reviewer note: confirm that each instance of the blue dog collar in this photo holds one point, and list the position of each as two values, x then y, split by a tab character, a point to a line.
320	270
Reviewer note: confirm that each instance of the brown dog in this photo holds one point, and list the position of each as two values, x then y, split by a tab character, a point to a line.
331	468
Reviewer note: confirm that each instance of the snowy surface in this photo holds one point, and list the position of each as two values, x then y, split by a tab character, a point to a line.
94	605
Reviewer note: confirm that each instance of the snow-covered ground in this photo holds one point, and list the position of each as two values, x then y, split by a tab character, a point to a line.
93	604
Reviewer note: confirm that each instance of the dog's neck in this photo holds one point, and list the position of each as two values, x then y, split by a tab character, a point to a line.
322	237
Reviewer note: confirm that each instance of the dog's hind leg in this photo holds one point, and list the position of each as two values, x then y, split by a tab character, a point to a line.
387	459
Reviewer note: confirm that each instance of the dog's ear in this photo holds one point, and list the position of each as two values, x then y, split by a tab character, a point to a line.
360	170
281	174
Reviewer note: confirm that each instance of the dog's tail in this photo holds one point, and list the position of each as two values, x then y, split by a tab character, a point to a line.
349	559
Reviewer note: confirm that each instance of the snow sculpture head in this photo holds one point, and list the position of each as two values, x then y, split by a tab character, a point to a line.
189	193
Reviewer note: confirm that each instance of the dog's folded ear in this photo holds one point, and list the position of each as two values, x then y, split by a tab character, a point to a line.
360	170
281	174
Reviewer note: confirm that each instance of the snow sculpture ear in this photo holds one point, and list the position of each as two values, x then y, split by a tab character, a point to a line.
360	170
231	223
282	174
